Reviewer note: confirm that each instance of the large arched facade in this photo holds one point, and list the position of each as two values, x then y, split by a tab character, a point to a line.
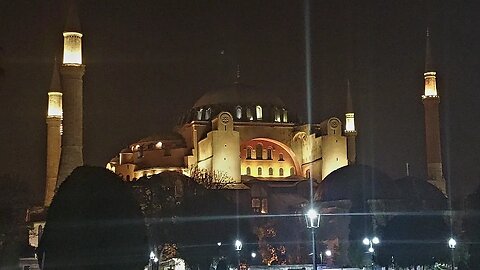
267	158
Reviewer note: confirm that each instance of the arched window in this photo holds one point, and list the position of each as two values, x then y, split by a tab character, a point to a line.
270	171
128	178
280	172
259	170
285	116
307	174
259	112
199	114
208	113
249	114
276	112
292	171
239	112
249	171
40	231
249	153
264	209
259	151
269	153
280	157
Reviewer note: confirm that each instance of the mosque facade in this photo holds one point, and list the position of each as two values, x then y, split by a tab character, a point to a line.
239	136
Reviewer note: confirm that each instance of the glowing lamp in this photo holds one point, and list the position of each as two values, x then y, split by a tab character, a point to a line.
349	122
430	84
328	252
452	243
72	48
312	217
366	241
55	105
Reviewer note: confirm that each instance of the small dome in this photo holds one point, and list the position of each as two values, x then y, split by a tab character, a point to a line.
357	183
419	192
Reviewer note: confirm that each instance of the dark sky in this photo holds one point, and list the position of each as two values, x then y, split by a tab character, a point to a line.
148	61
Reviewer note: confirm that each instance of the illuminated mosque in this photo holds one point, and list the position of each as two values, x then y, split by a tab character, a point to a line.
243	138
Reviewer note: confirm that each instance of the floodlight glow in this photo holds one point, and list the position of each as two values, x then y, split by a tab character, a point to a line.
312	218
452	243
375	240
366	241
238	245
253	254
328	252
371	250
219	243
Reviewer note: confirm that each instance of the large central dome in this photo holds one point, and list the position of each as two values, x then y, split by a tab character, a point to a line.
245	103
238	93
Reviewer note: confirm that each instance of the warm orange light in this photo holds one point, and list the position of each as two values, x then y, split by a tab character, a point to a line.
349	122
430	84
72	48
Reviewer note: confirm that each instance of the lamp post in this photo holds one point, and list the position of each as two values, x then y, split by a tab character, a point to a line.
451	244
153	260
312	217
370	242
238	248
328	253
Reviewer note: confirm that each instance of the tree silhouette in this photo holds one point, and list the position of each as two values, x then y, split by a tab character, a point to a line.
94	223
183	213
471	225
416	239
14	201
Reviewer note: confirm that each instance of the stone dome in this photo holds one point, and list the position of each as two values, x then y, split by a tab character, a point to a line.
357	183
170	136
420	193
238	94
246	104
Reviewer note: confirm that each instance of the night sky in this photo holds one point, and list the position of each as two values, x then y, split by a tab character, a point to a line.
148	61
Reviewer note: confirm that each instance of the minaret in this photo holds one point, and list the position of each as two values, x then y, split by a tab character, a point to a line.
54	137
432	123
350	131
72	71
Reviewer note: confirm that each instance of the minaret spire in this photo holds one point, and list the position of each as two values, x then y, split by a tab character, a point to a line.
72	23
428	52
54	139
350	131
72	41
72	72
431	102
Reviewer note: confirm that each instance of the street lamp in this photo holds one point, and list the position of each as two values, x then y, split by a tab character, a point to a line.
238	248
451	244
312	218
153	260
328	253
370	242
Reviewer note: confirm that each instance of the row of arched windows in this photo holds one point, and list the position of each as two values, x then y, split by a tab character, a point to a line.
270	171
248	112
259	153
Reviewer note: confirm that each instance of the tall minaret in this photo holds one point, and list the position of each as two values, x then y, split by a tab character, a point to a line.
54	137
72	71
350	131
432	123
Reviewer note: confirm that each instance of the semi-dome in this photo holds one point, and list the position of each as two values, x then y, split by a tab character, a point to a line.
357	183
246	104
170	136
